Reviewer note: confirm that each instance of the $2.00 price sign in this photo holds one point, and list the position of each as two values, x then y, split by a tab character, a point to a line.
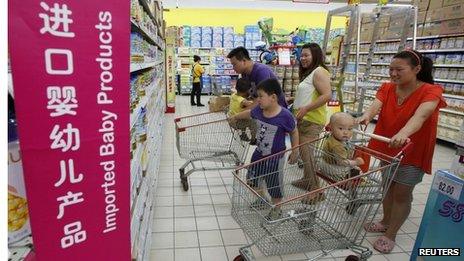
447	187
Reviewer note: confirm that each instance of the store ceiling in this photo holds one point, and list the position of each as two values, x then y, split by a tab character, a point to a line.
268	4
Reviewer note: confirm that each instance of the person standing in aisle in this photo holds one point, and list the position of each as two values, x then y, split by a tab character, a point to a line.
197	72
254	72
310	109
408	109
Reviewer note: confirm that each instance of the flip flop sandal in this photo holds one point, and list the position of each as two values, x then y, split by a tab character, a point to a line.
384	245
375	227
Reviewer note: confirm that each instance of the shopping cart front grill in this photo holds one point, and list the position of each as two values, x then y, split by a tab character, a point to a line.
295	224
208	137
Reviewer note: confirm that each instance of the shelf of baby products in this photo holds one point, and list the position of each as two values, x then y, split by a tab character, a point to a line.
447	53
288	77
147	105
219	72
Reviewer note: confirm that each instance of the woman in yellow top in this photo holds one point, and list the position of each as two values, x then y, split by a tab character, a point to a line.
310	109
197	71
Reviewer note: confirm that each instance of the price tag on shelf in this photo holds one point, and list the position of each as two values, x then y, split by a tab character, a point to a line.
447	187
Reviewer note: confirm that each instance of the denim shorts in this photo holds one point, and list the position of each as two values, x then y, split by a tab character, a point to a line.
269	171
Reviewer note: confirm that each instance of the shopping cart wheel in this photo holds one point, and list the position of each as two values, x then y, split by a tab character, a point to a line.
181	173
185	184
239	258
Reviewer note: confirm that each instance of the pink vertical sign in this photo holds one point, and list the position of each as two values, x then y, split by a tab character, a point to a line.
70	66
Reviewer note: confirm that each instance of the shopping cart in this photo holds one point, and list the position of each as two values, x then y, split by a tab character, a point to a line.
323	225
208	137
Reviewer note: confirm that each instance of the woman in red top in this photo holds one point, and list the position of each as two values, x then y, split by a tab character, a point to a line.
408	108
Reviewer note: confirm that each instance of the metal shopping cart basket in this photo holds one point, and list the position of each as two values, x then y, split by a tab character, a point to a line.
208	137
291	226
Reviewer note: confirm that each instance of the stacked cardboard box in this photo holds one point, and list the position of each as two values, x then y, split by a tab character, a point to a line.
252	36
228	37
442	17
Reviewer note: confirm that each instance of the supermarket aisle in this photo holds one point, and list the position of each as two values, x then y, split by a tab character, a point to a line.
196	225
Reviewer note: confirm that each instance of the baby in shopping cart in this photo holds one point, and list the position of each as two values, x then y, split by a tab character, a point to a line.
273	122
239	103
337	162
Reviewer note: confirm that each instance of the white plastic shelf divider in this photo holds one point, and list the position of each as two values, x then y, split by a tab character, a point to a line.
134	67
452	111
460	97
442	125
450	81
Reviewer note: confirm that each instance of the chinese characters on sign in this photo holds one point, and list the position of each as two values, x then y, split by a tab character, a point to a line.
72	105
57	21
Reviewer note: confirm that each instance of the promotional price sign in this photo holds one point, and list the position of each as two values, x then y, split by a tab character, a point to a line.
70	66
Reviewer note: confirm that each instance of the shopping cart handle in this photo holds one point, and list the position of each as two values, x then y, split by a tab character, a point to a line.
372	135
404	150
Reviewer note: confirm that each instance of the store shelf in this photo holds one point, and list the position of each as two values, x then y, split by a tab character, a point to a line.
442	125
143	102
436	36
449	65
460	97
148	11
141	66
379	75
450	81
154	39
410	38
442	50
452	112
421	51
446	139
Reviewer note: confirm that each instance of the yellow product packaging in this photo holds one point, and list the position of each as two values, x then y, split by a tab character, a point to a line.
18	213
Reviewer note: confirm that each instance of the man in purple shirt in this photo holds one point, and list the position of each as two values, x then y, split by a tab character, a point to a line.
254	72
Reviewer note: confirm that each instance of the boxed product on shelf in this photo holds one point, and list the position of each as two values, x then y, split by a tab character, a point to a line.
431	29
422	5
218	30
195	44
455	26
206	30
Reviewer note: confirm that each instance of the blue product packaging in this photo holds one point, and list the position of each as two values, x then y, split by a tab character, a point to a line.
442	222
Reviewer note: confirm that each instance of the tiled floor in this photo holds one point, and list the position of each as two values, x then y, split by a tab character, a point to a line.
197	225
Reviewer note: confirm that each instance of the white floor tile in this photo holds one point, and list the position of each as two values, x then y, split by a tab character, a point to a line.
163	225
210	238
185	224
202	199
186	239
162	240
164	201
213	254
183	211
204	211
233	237
223	209
207	223
162	255
183	200
398	257
227	222
164	212
187	254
